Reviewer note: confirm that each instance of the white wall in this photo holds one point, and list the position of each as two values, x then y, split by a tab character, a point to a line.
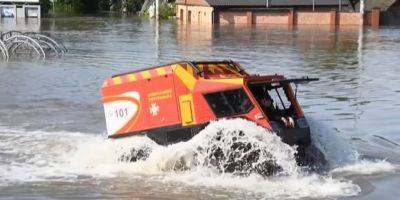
19	1
24	12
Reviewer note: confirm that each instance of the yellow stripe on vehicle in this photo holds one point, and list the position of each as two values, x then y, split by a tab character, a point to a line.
161	71
131	77
190	70
188	80
236	81
117	80
145	74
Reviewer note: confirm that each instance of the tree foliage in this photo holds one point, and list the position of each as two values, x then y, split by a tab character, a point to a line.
353	3
122	5
78	6
45	6
167	11
68	6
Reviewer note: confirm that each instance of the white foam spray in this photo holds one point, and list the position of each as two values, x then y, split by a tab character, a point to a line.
366	167
336	150
42	156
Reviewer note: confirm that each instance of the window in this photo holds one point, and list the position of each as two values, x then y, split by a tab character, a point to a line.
229	103
272	99
189	16
280	98
7	11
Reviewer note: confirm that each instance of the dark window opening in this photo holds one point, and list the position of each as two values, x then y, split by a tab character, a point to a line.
229	103
273	100
181	15
189	16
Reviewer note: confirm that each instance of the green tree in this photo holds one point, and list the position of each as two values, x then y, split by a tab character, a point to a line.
45	6
353	3
76	6
68	6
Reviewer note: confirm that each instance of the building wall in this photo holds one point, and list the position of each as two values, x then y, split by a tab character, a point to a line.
229	17
347	18
19	1
204	15
312	18
270	18
198	14
21	12
192	2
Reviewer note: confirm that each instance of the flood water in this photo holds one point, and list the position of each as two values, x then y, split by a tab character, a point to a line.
52	128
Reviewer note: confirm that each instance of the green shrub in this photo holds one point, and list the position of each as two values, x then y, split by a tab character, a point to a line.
45	6
167	11
68	6
77	6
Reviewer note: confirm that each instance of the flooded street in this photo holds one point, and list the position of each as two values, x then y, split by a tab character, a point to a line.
52	128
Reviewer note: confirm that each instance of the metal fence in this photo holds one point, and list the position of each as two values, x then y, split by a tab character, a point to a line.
15	45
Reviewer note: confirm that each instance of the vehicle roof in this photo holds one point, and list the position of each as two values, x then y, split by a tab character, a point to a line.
205	69
192	63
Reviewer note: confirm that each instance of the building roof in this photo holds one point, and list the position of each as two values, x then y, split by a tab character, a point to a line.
266	3
308	2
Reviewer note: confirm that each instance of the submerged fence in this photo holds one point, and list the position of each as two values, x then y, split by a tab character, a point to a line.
15	45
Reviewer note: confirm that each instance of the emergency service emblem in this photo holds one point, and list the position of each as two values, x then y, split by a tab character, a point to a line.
154	109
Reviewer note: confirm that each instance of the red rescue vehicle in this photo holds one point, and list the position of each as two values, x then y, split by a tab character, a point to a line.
174	102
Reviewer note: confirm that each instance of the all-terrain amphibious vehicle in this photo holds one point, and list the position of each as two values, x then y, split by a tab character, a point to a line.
173	102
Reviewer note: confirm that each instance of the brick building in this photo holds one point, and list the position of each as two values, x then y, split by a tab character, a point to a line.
291	12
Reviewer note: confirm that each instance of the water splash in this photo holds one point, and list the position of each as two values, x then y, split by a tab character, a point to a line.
337	151
227	146
47	156
366	167
240	146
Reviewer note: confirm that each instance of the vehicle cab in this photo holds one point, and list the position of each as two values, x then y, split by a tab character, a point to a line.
268	100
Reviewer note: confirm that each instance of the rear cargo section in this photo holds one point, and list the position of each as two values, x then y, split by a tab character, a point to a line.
165	101
139	101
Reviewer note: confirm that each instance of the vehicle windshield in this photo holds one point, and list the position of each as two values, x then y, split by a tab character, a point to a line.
273	100
229	103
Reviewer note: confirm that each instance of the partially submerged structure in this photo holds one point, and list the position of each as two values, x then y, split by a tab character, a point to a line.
291	12
20	8
15	45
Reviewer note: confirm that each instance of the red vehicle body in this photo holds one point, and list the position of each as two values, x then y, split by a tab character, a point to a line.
173	102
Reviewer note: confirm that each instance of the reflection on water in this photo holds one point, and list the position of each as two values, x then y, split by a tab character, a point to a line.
358	93
20	24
